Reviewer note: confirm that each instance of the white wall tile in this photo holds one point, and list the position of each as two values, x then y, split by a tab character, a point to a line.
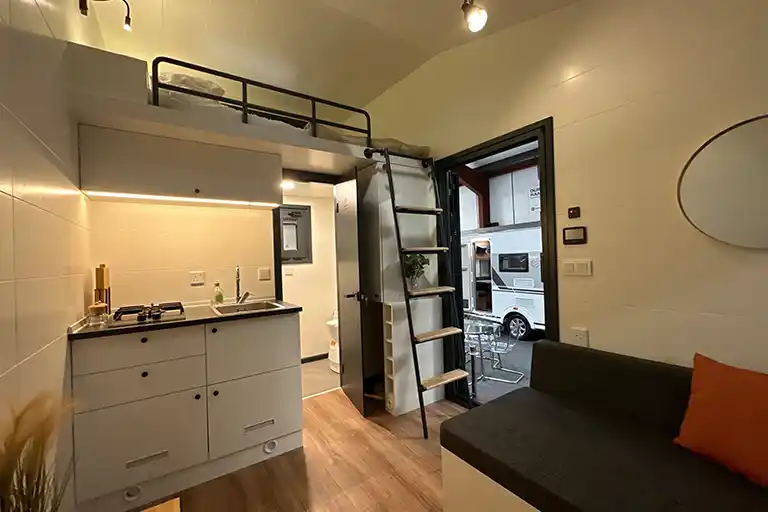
6	237
26	16
44	310
9	394
6	145
7	326
44	372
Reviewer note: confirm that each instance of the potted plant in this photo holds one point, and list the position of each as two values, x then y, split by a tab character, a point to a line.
27	481
415	264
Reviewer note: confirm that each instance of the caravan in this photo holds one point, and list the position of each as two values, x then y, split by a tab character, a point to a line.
501	273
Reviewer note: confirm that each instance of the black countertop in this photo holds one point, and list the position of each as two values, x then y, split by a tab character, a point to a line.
193	315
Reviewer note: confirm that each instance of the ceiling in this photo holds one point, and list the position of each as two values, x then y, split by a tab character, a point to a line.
349	51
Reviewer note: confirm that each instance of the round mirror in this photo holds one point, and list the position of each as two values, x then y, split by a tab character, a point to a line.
723	190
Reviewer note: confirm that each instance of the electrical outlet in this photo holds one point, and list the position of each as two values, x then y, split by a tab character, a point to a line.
197	278
580	336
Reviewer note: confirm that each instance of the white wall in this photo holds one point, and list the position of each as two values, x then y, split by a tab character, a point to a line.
470	216
635	88
313	285
44	226
501	200
151	248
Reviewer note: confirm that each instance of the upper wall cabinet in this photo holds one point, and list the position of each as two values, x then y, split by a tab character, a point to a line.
127	162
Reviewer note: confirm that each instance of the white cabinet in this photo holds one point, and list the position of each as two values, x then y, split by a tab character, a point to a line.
105	389
254	410
126	350
121	446
249	347
128	162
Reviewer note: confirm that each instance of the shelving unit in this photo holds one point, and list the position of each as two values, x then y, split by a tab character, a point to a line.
389	359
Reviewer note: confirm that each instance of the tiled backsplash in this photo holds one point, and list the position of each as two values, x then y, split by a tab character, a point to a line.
151	248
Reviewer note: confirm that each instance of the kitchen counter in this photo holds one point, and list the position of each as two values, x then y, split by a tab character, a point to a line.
193	315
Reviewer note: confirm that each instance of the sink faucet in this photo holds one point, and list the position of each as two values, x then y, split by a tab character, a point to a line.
239	298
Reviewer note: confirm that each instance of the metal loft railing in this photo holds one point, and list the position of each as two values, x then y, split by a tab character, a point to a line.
251	108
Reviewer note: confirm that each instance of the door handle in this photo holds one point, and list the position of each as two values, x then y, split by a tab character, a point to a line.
357	295
147	459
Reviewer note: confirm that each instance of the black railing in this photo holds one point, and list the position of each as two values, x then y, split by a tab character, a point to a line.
251	108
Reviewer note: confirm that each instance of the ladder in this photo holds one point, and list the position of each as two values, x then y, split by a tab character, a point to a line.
442	248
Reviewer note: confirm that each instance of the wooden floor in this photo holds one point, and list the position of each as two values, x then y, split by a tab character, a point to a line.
349	463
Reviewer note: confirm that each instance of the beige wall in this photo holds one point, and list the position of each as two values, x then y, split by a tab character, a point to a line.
151	248
313	286
634	88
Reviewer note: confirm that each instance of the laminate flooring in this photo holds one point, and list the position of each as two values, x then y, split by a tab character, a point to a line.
349	463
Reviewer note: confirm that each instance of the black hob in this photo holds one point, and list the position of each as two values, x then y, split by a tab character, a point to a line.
128	315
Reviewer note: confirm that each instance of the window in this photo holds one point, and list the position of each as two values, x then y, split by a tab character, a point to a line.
296	232
513	262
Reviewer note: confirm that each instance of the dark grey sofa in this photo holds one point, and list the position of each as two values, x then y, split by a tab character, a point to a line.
594	433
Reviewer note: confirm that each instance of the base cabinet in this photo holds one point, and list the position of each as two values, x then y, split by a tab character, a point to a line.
254	410
124	445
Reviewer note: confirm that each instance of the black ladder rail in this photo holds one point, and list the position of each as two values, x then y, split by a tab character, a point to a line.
415	339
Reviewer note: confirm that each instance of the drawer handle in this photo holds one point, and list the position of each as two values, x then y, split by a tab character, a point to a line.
144	340
197	396
270	446
147	459
257	426
215	393
145	374
214	330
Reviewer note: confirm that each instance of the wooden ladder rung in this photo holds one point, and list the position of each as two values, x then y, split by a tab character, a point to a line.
428	292
442	380
424	250
436	335
418	210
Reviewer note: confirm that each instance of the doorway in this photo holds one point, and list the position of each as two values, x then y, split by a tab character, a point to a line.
504	258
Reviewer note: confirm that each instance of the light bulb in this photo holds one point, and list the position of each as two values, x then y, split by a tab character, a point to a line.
476	18
127	24
288	185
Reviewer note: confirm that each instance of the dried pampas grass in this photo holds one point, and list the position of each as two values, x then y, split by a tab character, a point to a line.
27	482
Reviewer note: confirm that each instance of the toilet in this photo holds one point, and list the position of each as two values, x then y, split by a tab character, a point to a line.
333	349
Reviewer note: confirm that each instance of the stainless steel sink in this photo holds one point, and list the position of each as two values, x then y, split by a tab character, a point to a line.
234	309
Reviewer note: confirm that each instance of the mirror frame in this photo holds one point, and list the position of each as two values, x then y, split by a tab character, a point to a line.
710	141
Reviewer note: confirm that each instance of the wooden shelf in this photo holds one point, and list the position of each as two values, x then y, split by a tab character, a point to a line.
446	378
437	334
428	292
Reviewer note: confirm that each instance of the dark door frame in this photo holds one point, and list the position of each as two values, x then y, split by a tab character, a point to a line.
543	131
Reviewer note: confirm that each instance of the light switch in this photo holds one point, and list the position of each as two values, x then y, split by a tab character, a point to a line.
197	278
265	274
577	268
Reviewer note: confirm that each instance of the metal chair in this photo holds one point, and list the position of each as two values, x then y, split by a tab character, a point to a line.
499	347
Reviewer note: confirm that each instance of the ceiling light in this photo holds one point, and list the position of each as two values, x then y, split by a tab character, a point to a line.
149	197
475	16
288	185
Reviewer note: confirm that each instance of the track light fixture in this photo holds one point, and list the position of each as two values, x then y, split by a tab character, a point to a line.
126	21
127	24
474	15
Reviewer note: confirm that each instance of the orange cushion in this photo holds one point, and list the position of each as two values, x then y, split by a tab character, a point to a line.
727	418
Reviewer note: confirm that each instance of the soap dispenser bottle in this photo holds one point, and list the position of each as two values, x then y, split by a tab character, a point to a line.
218	295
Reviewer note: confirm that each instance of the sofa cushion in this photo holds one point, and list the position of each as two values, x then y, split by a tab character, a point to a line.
727	419
653	393
558	457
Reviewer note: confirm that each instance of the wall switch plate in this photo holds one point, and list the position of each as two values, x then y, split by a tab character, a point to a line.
288	271
580	336
265	274
197	278
577	268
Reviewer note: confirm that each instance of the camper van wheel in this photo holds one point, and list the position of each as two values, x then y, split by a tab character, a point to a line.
517	326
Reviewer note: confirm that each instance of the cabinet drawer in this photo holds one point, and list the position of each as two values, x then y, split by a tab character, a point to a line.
99	390
248	347
128	444
250	411
126	350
